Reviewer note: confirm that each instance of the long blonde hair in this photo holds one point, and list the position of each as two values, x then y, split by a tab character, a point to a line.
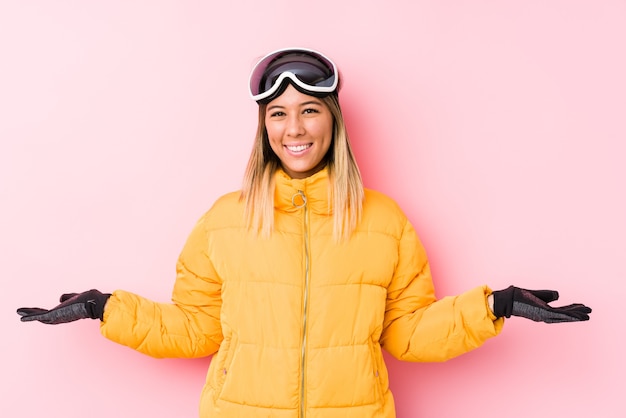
346	193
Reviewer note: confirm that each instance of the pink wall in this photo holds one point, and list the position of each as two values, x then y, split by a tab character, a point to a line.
499	126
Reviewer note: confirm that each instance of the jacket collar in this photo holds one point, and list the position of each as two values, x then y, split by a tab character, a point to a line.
316	189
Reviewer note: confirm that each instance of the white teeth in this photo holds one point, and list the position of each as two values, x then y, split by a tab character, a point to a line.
298	148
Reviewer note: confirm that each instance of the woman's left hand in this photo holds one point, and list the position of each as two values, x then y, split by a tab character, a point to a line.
533	304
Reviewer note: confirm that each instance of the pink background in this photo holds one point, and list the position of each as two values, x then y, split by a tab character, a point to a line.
499	126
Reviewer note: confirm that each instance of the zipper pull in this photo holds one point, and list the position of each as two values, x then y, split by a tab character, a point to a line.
299	199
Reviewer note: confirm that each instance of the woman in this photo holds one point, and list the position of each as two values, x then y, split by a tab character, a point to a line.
298	280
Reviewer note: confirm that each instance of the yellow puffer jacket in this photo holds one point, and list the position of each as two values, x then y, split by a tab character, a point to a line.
297	320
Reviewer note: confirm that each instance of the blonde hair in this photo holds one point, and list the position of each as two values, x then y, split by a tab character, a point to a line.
346	193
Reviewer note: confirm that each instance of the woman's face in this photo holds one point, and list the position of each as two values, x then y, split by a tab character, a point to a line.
300	131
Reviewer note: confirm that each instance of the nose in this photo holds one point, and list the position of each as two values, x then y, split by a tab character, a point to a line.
295	127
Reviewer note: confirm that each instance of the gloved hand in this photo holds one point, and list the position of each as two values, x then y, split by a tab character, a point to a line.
73	306
533	304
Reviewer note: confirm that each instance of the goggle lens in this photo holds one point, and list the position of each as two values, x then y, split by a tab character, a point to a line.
309	70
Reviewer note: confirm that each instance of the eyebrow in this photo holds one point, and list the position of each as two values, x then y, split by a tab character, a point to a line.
310	102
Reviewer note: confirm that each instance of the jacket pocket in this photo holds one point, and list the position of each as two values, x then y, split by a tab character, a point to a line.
379	370
224	360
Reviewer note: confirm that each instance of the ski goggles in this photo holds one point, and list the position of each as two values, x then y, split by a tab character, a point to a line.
309	71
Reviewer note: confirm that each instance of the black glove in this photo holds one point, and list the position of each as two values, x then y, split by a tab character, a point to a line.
74	306
533	304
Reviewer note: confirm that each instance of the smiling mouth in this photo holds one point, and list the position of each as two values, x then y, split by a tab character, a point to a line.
298	148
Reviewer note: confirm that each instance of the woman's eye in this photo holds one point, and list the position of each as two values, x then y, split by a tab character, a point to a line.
278	114
310	110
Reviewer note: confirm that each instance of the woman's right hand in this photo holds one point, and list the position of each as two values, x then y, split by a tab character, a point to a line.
73	306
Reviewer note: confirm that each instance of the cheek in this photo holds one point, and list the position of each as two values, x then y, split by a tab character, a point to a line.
274	140
272	134
327	133
322	129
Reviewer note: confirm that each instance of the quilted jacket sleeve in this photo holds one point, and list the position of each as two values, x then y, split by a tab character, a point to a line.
188	327
417	327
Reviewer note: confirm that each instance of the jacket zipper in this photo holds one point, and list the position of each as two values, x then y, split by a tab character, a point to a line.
306	300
